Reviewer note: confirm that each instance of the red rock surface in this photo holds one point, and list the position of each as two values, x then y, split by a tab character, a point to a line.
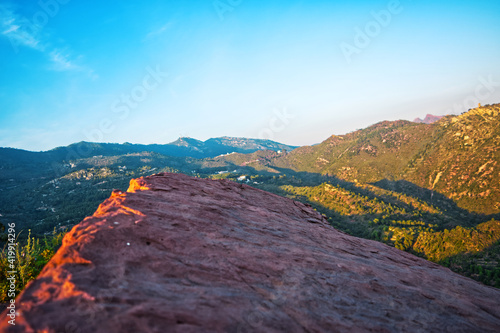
181	254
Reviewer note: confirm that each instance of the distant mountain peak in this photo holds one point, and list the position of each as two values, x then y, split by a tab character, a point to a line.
185	141
429	119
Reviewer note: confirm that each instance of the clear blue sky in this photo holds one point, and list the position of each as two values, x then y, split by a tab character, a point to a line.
294	71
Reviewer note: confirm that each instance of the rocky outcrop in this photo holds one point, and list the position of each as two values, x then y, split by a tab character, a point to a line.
182	254
429	119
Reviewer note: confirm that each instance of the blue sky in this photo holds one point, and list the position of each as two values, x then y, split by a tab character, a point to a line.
292	71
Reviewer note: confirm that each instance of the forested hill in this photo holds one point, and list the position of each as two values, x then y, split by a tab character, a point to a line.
16	163
457	156
428	189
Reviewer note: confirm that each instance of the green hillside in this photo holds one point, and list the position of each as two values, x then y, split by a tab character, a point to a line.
462	161
458	156
431	190
378	152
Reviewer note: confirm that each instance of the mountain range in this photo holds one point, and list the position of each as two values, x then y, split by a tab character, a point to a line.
429	189
457	156
17	163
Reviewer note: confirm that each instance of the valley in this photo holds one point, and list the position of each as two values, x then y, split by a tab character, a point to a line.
428	189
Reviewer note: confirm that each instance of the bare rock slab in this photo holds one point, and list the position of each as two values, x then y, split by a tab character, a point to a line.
181	254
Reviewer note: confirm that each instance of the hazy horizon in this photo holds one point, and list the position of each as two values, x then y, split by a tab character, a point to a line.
294	72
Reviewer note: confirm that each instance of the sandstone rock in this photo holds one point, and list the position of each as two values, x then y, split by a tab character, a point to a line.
181	254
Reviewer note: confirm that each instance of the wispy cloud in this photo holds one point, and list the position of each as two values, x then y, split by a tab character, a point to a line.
158	31
61	61
11	28
19	30
23	33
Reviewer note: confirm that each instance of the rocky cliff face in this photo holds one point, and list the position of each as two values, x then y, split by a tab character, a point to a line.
181	254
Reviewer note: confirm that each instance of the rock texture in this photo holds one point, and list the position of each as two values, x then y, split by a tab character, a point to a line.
181	254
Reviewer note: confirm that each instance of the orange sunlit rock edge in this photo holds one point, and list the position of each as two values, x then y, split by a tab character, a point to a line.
176	253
